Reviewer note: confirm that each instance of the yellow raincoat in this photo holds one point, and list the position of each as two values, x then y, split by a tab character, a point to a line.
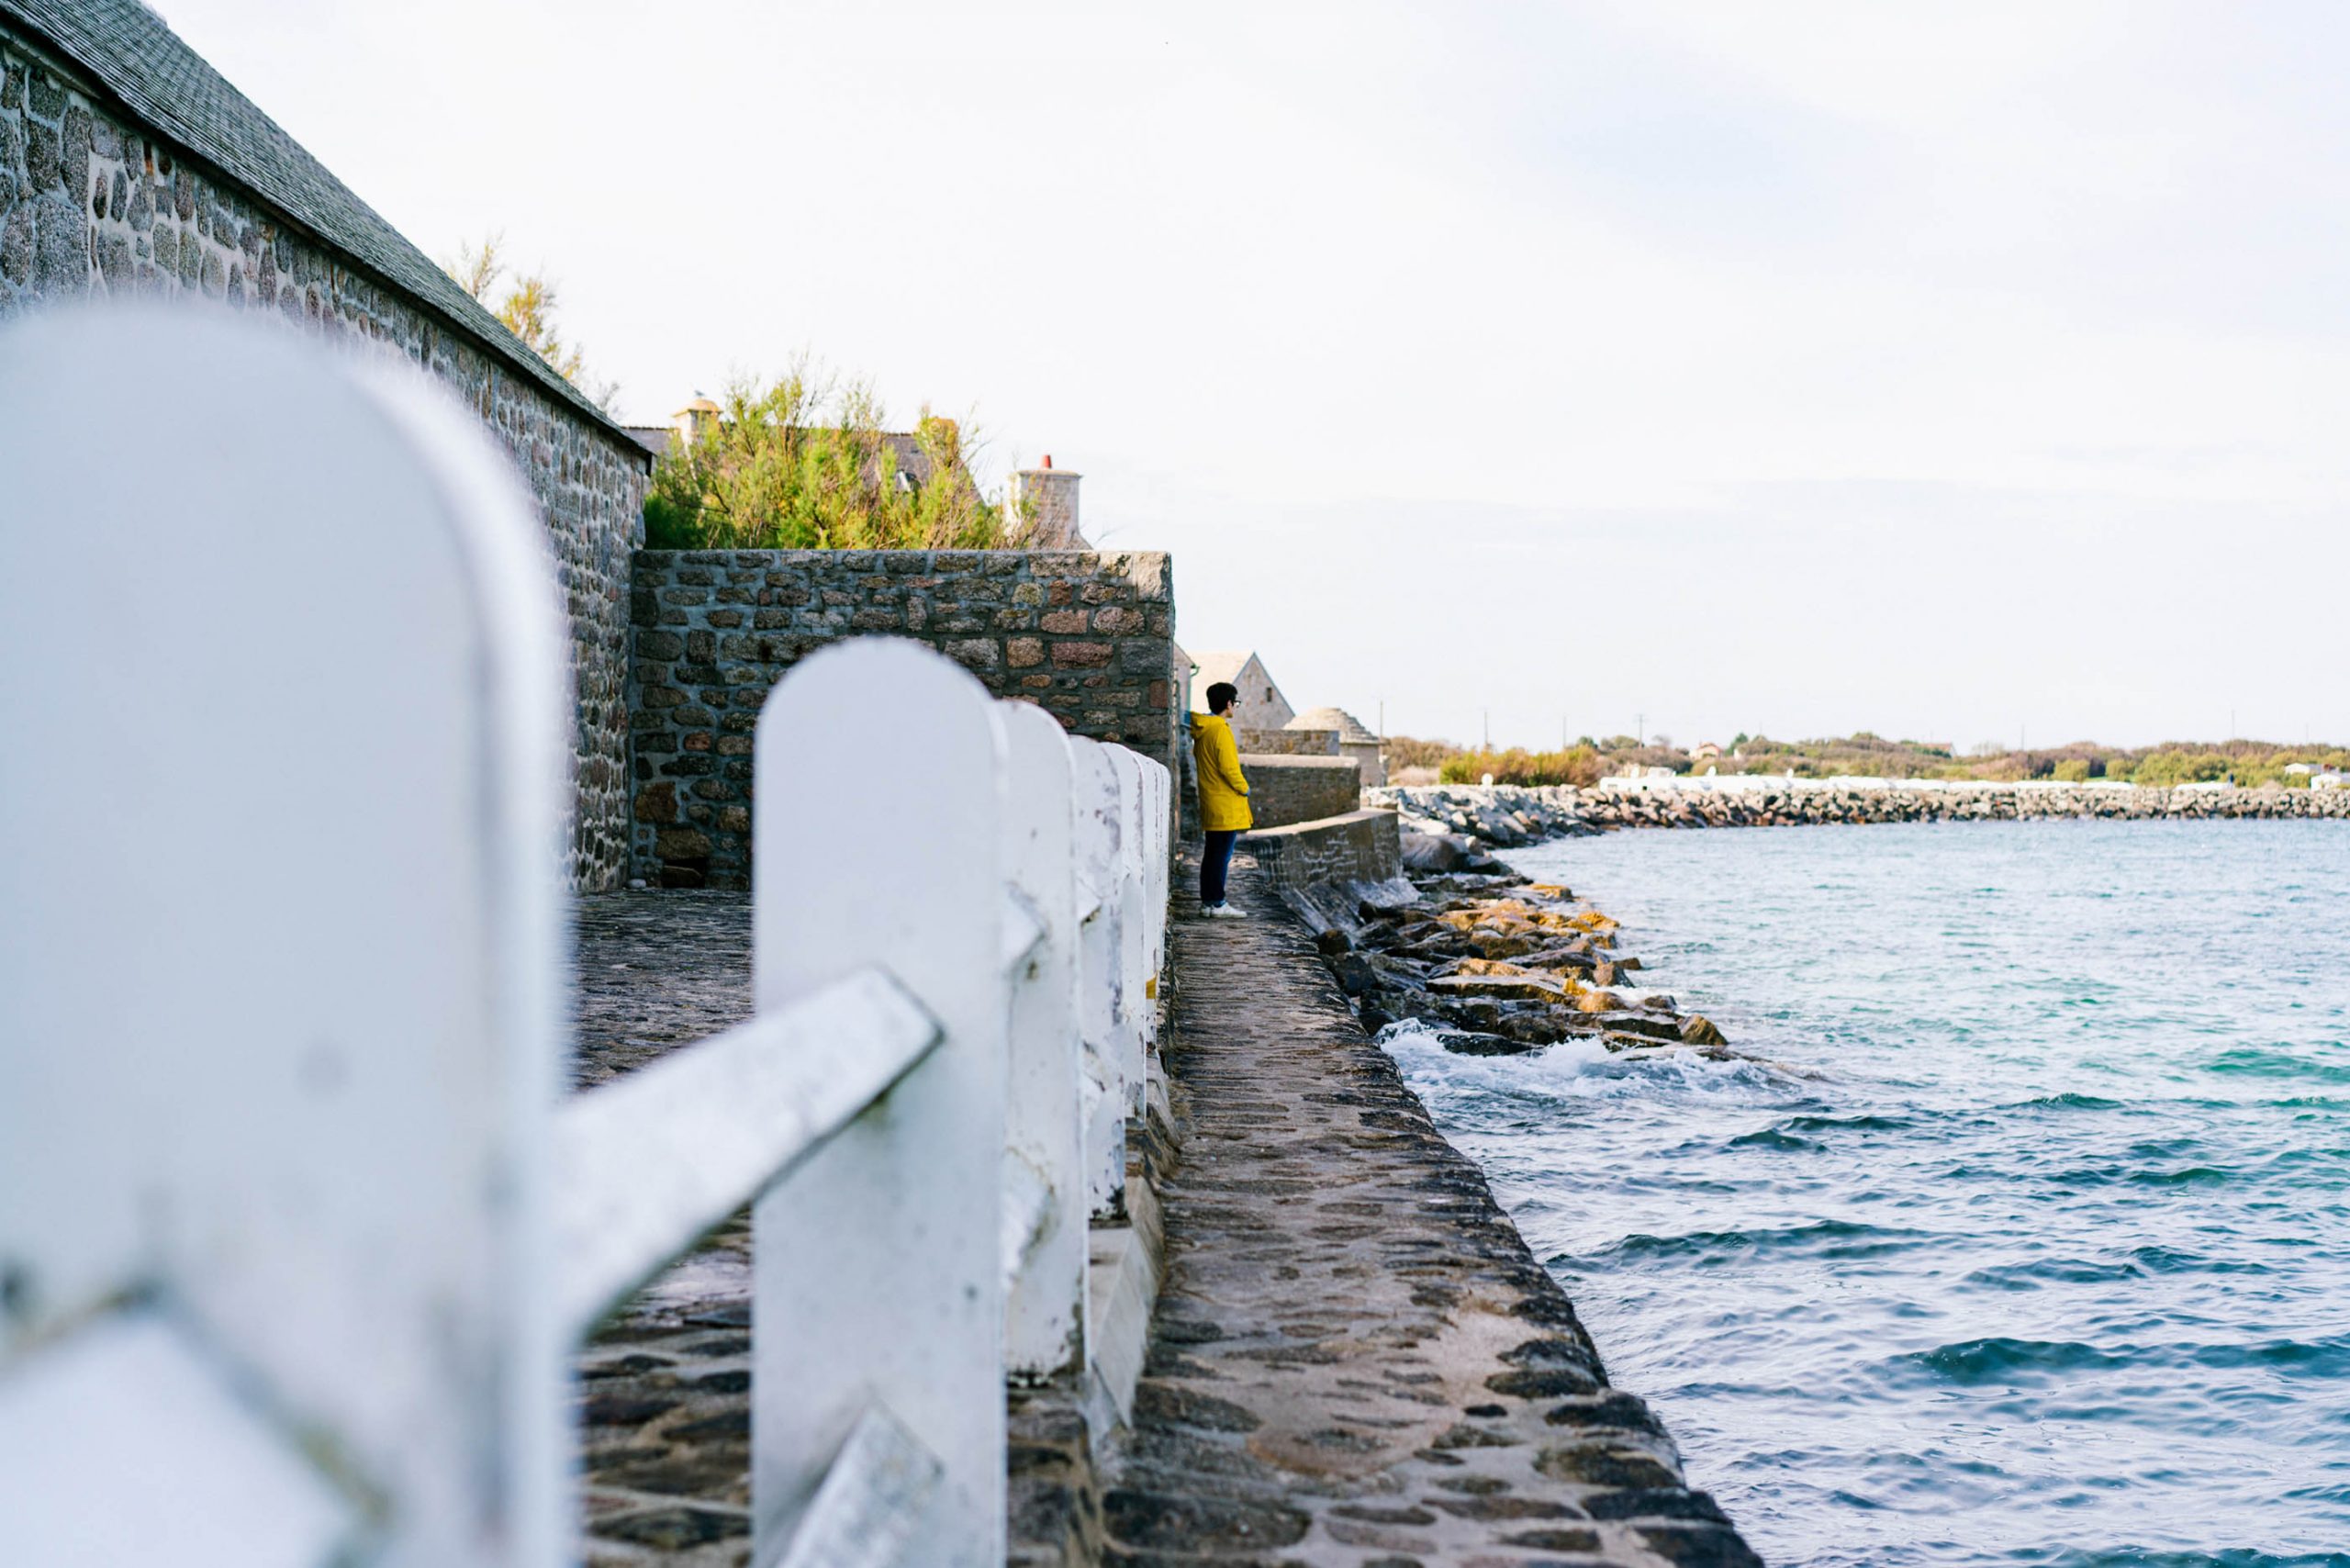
1224	788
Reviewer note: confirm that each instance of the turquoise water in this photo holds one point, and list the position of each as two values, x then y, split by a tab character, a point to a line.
2034	1248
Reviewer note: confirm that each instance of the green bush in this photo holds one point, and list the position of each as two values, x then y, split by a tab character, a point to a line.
2166	769
801	464
1578	766
2073	770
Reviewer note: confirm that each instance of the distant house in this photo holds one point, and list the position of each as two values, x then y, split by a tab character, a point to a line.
1259	706
1354	740
1706	751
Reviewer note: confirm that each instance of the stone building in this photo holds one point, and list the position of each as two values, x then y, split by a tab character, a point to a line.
1354	740
128	167
1259	706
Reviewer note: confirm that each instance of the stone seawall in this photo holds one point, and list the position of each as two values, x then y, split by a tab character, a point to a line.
1089	638
1507	814
1324	871
1356	1362
1286	790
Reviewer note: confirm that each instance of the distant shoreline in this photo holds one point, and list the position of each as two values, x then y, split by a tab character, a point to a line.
1507	814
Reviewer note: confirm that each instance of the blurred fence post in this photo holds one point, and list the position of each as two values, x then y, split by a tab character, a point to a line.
281	945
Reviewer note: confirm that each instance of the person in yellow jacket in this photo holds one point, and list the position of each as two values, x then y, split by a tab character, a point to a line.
1224	795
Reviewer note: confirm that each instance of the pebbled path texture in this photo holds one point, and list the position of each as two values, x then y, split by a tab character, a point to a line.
1356	1361
664	1388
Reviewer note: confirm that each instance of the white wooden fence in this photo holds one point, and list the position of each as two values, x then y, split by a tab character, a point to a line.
296	1227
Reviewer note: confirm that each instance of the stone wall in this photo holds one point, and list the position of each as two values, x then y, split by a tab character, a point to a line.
95	204
1324	871
1088	637
1285	790
1286	743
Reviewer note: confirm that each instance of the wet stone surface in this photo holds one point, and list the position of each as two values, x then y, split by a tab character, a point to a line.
1356	1361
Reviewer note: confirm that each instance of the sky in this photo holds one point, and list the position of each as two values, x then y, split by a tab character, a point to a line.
1967	373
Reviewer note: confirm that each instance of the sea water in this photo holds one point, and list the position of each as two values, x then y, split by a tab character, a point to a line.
2030	1243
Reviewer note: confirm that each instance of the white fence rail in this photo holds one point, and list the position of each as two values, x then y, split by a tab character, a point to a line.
295	1228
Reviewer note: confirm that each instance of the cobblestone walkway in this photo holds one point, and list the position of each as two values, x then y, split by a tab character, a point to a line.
1356	1361
664	1388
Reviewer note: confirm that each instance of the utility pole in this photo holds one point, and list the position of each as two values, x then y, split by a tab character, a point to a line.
1488	713
1640	731
1382	718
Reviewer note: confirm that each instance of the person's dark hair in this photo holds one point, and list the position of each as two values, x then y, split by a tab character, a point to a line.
1222	695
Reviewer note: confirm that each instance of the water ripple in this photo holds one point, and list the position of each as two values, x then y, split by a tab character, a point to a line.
2032	1246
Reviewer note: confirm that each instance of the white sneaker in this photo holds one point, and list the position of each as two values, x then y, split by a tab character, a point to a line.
1222	912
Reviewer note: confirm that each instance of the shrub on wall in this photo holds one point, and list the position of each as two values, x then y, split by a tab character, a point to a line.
803	464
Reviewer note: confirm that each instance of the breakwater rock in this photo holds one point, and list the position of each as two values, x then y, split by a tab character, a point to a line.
1503	814
1501	966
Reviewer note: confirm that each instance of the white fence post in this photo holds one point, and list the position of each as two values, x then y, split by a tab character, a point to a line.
1100	970
1156	801
280	961
1044	1126
877	1266
1136	1017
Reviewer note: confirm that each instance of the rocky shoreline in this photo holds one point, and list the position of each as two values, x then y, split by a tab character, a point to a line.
1508	814
1497	964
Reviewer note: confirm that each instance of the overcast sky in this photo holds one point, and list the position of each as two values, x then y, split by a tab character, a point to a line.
1962	372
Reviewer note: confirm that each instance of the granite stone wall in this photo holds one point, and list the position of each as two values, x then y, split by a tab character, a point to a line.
1285	790
95	204
1089	637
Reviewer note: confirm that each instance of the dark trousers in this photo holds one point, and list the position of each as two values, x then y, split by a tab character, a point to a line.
1215	859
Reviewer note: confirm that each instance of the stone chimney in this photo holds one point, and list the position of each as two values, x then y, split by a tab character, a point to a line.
693	419
1045	498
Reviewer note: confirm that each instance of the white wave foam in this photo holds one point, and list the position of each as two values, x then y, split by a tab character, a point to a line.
1578	1069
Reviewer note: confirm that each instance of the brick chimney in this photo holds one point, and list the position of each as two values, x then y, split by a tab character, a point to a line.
1045	498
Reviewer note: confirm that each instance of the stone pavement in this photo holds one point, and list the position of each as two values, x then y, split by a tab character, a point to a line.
1355	1360
665	1386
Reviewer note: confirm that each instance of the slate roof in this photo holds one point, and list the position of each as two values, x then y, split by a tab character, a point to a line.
129	51
1222	664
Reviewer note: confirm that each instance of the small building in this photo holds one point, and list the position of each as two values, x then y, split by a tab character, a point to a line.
1259	706
1706	751
1354	740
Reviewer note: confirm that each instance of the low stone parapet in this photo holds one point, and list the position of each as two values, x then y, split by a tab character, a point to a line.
1325	869
1287	789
